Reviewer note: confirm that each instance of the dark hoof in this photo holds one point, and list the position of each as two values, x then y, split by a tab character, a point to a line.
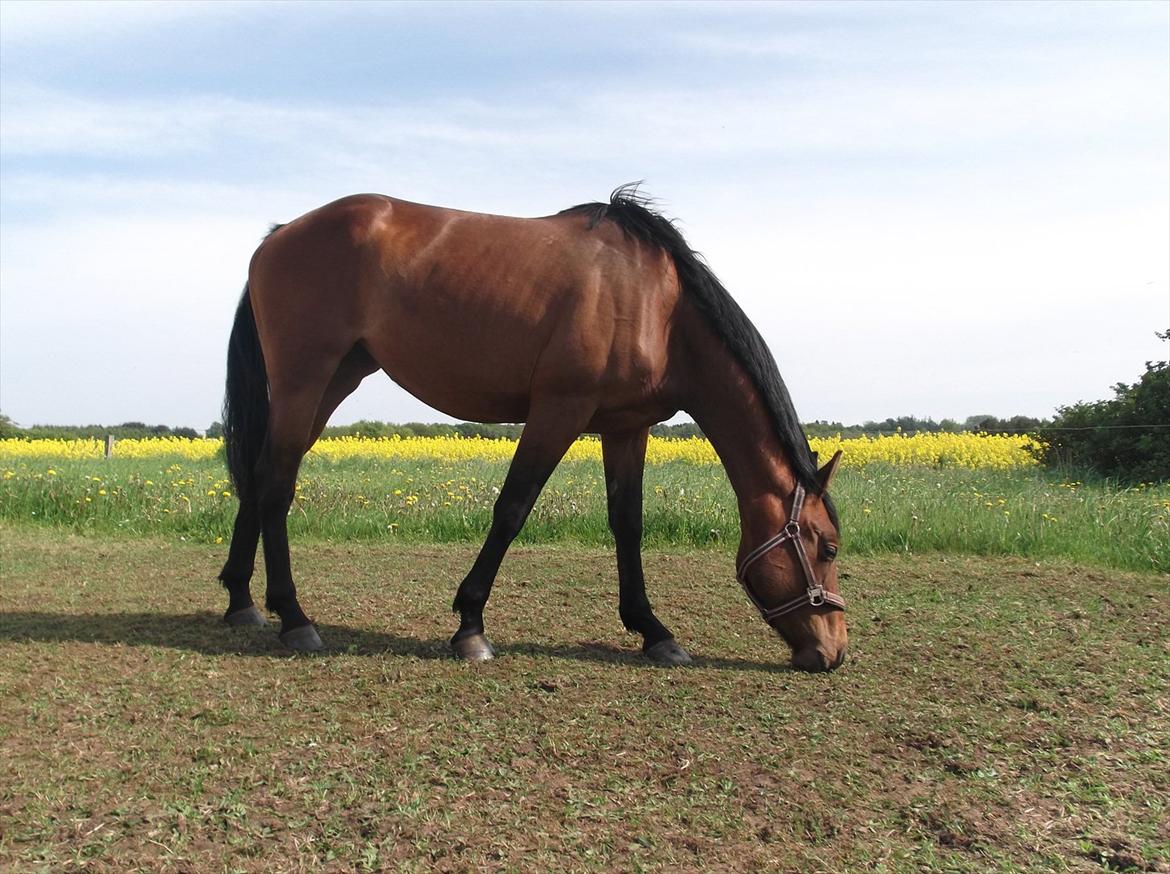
667	652
302	639
473	648
247	616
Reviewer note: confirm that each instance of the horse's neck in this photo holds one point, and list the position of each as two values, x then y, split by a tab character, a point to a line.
727	406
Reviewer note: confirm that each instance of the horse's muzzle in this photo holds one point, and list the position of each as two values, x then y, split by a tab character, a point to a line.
815	660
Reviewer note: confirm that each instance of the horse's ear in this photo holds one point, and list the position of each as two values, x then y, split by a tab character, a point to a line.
825	474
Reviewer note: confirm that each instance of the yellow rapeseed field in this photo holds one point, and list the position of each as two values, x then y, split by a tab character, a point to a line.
965	450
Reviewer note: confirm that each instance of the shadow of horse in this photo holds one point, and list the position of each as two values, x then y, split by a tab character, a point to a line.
205	633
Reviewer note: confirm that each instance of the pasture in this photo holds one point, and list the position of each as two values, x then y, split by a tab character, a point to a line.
1004	705
995	714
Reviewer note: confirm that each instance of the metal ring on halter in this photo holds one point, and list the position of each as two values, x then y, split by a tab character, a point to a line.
815	595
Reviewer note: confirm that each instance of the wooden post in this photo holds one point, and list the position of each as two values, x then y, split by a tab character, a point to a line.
109	445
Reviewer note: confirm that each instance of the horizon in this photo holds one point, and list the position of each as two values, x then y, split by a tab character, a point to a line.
674	422
936	208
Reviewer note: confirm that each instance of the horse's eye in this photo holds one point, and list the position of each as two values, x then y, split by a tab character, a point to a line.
829	551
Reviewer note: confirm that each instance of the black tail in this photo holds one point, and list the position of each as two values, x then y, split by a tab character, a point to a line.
245	402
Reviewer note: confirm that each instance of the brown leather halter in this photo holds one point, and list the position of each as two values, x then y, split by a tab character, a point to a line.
815	595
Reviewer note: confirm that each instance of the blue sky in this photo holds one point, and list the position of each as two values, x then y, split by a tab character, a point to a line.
931	209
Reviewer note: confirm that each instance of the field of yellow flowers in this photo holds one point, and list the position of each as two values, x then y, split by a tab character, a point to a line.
963	493
973	451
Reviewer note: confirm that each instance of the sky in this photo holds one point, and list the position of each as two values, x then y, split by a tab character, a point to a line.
930	209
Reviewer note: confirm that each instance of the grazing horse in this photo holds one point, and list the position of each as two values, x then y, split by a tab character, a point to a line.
600	318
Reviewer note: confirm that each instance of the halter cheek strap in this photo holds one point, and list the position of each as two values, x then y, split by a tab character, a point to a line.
815	595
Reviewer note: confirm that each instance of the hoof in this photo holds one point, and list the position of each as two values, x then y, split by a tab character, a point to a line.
247	616
667	652
302	639
474	648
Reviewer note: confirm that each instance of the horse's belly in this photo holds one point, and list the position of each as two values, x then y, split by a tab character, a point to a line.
466	368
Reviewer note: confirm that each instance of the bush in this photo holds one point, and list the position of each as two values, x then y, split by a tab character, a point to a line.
1127	438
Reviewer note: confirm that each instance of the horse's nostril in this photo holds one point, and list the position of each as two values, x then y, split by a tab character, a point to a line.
811	659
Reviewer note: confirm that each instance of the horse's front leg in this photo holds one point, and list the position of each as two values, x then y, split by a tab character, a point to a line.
624	455
551	428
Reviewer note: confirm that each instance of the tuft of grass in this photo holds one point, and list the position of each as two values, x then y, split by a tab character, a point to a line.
994	715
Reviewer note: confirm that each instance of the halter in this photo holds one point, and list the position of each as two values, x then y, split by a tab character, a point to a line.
815	595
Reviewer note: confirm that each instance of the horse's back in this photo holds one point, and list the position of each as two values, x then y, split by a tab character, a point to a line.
472	313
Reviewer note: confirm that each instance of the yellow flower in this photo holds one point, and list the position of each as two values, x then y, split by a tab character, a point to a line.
964	450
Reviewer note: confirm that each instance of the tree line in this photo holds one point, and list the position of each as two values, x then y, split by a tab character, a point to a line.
125	431
373	428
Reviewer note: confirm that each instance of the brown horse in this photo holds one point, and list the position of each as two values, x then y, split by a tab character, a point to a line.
599	318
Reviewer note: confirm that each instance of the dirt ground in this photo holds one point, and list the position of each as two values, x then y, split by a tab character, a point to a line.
993	715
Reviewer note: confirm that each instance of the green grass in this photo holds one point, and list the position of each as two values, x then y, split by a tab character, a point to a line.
995	714
1027	513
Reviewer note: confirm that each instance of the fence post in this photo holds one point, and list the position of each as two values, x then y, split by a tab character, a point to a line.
109	445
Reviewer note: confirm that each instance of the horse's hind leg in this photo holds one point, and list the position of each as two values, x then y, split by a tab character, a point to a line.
290	421
624	456
552	427
241	562
237	572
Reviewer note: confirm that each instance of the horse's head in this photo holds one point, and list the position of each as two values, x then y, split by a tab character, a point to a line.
792	578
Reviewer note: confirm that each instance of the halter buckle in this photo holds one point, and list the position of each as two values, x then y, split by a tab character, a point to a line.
816	595
791	530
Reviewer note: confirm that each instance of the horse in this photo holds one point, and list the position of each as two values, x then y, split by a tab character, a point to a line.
599	318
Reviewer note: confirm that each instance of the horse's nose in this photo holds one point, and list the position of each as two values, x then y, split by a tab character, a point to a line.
814	659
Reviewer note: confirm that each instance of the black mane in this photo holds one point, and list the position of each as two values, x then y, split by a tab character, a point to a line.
630	210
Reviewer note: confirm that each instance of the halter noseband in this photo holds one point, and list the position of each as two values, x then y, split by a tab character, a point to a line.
815	595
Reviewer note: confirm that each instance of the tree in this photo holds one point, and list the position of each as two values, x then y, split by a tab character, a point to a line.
1127	437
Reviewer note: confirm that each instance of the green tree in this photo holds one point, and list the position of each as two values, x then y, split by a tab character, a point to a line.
1127	437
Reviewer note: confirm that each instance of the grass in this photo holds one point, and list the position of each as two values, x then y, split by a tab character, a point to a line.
1025	512
995	714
